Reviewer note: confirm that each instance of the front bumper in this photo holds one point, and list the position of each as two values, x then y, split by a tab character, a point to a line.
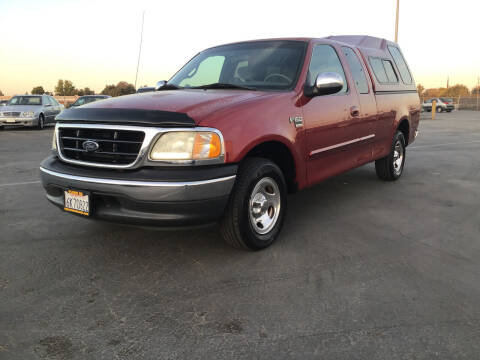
5	121
153	197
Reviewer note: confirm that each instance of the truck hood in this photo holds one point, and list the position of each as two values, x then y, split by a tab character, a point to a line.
186	107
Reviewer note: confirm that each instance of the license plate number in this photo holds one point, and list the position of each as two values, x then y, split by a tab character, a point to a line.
77	202
11	120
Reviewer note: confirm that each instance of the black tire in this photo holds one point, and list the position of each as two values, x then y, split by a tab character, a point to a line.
236	227
439	109
388	168
449	110
41	122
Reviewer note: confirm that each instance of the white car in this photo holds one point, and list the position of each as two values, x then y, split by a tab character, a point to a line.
443	104
30	110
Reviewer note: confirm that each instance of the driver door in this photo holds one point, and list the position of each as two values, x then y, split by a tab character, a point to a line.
332	122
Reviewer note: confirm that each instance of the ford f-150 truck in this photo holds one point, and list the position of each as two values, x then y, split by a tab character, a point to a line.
235	130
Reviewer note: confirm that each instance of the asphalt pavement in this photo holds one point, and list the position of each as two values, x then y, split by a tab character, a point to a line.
363	269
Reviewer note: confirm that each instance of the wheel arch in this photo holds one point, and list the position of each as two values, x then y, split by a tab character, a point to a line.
280	152
404	127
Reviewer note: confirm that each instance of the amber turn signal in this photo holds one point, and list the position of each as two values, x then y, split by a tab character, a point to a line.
207	145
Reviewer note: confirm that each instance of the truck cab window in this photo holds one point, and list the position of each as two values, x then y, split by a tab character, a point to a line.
357	70
325	59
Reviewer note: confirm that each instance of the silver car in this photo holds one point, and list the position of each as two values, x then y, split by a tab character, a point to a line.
30	110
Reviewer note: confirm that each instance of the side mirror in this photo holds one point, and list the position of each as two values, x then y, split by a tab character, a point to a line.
160	84
326	83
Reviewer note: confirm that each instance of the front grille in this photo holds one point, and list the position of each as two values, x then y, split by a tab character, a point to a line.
11	113
116	147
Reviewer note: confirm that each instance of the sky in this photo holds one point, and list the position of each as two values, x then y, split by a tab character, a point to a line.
94	43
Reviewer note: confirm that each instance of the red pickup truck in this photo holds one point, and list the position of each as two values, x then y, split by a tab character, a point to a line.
235	130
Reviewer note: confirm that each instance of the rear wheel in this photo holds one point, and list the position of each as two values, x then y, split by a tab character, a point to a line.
390	168
257	206
41	122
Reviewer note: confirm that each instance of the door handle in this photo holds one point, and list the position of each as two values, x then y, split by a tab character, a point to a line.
354	111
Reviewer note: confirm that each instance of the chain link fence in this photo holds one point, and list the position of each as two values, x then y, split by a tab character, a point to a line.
469	103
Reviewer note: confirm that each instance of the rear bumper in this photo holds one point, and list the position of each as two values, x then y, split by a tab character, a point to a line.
152	197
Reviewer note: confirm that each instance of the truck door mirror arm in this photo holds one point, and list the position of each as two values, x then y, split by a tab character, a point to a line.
326	83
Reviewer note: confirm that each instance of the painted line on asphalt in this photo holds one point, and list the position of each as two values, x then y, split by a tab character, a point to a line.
20	183
435	145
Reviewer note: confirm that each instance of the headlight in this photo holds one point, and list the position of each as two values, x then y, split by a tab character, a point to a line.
28	114
54	140
187	145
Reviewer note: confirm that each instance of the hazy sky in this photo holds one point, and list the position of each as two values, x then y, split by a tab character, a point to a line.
94	43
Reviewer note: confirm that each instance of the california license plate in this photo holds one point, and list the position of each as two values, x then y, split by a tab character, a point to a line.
11	120
77	202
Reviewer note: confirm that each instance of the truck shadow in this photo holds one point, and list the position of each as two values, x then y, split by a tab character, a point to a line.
306	209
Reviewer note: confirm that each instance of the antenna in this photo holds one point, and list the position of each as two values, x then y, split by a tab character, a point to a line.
139	49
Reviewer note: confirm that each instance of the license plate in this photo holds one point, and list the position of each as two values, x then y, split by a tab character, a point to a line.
77	202
11	120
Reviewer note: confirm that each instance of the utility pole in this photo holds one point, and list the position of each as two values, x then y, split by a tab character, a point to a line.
139	49
396	22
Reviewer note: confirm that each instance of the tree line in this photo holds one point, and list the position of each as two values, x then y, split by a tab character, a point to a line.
454	91
67	88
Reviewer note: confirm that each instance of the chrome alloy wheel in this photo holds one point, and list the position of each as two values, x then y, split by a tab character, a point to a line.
398	155
264	206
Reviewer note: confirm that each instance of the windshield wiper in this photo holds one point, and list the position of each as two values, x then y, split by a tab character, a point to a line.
223	86
169	87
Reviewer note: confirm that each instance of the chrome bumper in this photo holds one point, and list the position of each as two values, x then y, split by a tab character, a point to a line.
151	191
18	121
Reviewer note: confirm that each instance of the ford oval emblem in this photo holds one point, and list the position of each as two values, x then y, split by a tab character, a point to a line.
90	146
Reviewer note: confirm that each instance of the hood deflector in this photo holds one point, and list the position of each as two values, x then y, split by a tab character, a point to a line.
126	116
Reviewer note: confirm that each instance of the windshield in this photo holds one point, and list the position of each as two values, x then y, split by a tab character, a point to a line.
145	89
25	100
263	65
86	100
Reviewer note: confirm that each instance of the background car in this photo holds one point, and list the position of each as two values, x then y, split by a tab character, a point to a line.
30	110
3	102
443	104
82	100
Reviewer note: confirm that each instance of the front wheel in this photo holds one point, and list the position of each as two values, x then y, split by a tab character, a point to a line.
41	122
390	167
439	109
257	206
